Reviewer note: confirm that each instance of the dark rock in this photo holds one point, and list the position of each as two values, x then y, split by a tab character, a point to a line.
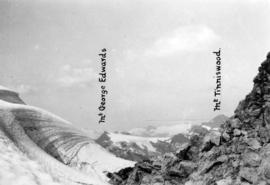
237	132
235	123
145	167
253	144
175	173
213	137
182	152
210	140
249	175
210	165
187	166
251	159
226	136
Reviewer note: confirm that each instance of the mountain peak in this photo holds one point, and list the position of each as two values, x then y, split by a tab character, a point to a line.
219	118
9	95
257	103
237	154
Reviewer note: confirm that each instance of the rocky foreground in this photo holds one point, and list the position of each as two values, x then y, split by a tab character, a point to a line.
239	154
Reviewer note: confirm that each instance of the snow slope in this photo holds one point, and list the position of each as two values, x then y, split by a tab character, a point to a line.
18	169
67	154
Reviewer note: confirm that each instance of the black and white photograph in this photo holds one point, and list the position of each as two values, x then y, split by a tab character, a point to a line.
134	92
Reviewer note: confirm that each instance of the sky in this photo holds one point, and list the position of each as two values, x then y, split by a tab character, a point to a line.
160	65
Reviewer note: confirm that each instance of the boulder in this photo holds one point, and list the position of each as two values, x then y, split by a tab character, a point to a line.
227	181
248	174
213	137
187	166
253	144
182	152
226	136
251	159
236	132
235	123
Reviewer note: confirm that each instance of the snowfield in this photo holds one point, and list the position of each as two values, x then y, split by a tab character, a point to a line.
142	142
164	130
18	169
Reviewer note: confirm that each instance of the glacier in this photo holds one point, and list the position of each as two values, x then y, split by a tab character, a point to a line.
66	154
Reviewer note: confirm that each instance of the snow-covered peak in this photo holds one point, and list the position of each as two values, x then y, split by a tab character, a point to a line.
143	142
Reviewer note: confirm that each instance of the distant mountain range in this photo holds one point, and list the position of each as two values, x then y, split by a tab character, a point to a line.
216	121
138	148
163	130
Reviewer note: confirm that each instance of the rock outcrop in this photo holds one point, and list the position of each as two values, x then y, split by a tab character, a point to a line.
239	154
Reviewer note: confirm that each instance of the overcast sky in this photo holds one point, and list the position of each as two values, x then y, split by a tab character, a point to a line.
160	63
